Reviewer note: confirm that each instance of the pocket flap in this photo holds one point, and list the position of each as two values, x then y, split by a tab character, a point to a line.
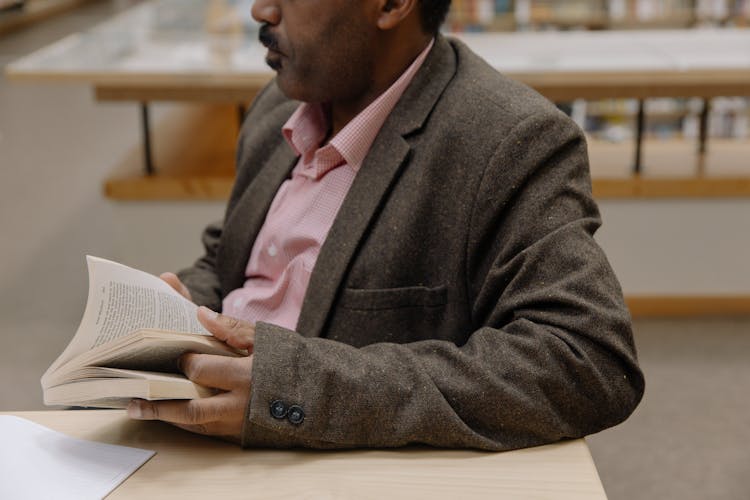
394	298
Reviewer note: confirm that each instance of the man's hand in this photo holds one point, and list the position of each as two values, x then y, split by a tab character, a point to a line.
173	281
220	415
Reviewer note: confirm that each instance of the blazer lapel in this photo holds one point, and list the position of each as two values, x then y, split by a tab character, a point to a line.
388	155
248	216
359	207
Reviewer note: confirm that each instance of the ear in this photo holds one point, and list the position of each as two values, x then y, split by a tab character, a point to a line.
393	12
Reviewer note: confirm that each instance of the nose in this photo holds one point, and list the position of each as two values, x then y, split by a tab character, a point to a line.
266	12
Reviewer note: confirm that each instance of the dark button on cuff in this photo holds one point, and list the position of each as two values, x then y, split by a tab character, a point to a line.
296	415
279	409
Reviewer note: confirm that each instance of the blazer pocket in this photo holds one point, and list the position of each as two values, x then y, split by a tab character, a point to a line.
393	298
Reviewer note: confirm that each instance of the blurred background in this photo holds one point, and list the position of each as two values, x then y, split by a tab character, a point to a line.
117	128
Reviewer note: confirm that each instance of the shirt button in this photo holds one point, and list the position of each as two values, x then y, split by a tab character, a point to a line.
272	250
279	409
296	415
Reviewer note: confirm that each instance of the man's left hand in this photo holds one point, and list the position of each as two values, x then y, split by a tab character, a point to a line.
220	415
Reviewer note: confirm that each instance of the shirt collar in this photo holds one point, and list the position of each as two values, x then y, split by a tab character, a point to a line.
308	125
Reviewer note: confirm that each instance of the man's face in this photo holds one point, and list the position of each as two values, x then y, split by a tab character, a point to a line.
322	50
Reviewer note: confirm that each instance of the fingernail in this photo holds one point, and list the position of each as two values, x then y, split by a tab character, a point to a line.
212	315
134	410
140	410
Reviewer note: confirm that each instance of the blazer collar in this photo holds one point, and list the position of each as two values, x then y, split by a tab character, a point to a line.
249	213
428	84
388	155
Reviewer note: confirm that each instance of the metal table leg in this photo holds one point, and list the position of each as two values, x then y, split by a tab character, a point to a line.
241	112
703	136
640	124
148	161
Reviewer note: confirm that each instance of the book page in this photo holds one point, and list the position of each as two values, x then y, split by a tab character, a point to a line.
115	388
122	299
149	350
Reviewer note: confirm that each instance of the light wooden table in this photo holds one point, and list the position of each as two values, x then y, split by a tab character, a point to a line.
189	466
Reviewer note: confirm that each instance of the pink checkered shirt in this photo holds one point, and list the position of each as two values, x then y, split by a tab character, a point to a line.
305	206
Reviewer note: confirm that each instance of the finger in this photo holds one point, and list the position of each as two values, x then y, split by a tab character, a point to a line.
193	412
227	431
233	331
221	372
172	280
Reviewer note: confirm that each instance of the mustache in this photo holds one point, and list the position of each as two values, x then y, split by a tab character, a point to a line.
267	38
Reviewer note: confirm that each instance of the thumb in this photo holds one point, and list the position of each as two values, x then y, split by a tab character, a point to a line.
172	280
233	331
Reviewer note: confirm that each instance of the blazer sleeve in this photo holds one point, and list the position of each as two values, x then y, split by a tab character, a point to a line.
551	355
201	278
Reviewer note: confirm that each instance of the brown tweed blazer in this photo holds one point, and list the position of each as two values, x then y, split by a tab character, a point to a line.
459	299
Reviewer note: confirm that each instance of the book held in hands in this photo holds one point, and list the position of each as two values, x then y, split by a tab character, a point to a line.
134	329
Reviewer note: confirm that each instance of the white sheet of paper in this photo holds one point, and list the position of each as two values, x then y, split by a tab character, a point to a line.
37	462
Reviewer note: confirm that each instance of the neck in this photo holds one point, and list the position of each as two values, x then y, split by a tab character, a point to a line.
392	60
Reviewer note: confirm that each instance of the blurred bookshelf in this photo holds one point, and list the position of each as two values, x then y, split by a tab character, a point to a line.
672	129
522	15
669	118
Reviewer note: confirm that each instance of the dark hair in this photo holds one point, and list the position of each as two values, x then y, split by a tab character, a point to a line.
433	14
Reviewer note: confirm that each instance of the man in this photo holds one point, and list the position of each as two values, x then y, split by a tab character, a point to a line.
411	259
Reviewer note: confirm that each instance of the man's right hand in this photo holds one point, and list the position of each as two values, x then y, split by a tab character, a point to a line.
222	414
172	280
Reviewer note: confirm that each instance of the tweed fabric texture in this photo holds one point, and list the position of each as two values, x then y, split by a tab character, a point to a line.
460	299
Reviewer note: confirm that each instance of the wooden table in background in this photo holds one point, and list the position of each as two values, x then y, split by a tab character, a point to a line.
189	466
159	52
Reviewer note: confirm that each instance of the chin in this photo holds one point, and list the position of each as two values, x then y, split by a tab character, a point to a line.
274	63
294	90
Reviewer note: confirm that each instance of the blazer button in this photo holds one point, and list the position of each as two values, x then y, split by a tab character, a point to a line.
296	415
279	409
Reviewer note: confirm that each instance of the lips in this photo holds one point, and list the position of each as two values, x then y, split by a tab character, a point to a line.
273	59
269	40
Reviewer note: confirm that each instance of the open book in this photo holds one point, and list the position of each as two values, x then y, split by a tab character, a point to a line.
133	331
